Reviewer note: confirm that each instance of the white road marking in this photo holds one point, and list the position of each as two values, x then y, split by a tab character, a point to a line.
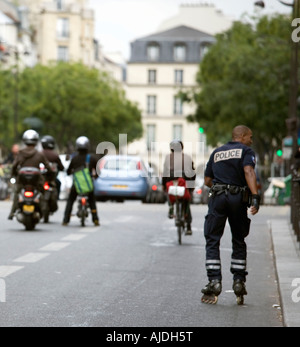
55	246
89	230
31	257
8	270
74	237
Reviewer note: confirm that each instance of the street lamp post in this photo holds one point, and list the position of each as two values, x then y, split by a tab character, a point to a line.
293	124
292	121
16	54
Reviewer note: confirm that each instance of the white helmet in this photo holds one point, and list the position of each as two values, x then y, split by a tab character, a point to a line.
31	137
82	143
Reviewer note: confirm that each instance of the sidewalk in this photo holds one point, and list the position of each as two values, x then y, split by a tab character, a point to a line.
287	260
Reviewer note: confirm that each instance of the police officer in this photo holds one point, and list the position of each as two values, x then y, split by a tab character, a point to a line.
230	175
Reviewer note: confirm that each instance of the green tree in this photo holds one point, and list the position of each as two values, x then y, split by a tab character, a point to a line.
7	101
73	100
244	79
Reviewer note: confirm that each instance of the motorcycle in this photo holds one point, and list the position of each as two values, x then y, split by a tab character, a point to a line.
83	208
50	196
29	211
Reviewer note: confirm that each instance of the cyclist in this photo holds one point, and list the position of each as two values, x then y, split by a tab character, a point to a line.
178	164
79	161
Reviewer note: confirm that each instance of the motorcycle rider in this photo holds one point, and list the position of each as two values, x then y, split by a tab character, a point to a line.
48	144
178	164
77	162
27	157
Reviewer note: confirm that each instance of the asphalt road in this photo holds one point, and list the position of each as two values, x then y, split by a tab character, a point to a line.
130	272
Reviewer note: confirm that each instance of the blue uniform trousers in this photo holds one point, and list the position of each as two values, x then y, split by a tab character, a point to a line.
223	207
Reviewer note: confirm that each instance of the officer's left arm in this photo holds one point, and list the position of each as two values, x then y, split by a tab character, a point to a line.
250	176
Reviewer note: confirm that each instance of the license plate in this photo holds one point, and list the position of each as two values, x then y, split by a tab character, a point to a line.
28	208
118	186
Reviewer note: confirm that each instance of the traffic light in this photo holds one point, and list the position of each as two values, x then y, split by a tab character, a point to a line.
279	153
201	130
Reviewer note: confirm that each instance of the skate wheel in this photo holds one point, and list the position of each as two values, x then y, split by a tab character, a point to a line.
209	299
240	300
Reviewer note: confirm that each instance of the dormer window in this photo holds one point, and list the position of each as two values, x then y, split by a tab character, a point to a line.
204	48
153	52
180	52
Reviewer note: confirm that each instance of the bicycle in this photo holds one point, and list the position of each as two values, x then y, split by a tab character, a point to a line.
177	195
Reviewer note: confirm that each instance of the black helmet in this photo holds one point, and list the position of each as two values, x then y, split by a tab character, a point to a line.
31	138
82	143
48	142
176	146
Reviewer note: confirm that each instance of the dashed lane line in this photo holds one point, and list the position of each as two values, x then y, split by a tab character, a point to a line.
54	246
6	270
31	258
74	237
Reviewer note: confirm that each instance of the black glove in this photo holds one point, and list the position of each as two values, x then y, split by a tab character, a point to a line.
256	201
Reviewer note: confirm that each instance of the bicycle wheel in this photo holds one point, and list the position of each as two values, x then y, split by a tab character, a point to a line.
178	220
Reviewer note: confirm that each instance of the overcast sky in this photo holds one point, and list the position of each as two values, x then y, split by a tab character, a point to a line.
119	22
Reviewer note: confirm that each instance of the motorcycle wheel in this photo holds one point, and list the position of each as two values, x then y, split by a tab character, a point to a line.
29	224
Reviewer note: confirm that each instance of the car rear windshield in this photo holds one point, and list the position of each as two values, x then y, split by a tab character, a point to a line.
122	164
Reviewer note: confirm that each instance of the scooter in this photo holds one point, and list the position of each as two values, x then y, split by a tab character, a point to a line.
50	196
83	208
29	211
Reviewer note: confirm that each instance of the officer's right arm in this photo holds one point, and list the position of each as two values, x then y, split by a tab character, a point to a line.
208	181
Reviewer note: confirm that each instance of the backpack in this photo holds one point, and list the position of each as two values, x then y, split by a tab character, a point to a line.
83	181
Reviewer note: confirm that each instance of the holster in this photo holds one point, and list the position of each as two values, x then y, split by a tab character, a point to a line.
246	196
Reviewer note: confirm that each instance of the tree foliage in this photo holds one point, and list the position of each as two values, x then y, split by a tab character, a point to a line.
244	79
72	100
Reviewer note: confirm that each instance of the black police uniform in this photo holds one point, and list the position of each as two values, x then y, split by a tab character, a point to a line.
228	201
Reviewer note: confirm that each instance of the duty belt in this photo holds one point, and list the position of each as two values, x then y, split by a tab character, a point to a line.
218	189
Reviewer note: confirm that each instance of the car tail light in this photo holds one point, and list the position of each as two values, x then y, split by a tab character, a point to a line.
199	191
46	186
139	165
102	163
154	187
28	194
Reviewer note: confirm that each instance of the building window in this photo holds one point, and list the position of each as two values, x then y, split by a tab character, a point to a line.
178	77
177	132
178	106
151	104
152	76
63	27
179	52
63	53
60	4
151	137
204	48
153	52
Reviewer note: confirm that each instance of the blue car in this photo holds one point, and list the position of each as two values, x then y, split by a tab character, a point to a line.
121	178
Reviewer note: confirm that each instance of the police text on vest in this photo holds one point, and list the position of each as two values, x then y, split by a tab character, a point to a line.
226	155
